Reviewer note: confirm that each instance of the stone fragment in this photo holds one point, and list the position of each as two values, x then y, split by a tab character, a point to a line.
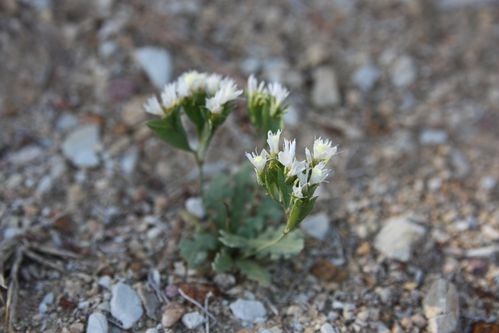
316	225
195	207
397	237
172	314
365	77
125	305
325	89
328	328
97	323
246	310
441	307
156	63
432	137
81	146
403	72
192	320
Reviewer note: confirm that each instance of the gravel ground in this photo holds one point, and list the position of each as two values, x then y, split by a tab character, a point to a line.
90	199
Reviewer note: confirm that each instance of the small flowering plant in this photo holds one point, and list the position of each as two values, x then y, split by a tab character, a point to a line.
244	225
206	100
266	105
291	182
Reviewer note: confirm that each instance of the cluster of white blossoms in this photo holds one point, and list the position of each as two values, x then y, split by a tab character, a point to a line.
305	175
274	90
217	90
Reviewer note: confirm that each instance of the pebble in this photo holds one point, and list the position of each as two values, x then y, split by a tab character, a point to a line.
403	71
396	238
441	307
366	77
316	225
251	311
431	137
192	320
150	302
156	63
97	323
105	282
125	305
81	146
195	207
129	161
328	328
225	281
47	300
325	89
25	155
172	314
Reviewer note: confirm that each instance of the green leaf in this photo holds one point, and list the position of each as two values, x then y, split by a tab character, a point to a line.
195	251
300	209
218	192
222	262
234	241
254	271
290	245
171	130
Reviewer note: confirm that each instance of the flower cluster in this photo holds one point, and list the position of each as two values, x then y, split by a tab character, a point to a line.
266	104
213	90
289	181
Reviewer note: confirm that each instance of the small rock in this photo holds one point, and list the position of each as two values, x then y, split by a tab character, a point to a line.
251	311
403	71
66	121
47	300
97	323
396	238
105	282
81	146
365	77
150	302
460	164
133	111
316	225
172	314
225	281
328	328
431	137
25	155
192	320
125	305
325	90
441	307
129	161
156	63
195	207
152	330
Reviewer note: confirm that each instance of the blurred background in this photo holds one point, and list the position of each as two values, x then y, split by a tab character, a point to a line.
408	89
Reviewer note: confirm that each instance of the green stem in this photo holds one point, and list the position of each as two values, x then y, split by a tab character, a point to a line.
200	163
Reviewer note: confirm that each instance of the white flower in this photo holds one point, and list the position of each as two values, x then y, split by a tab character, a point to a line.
319	173
258	160
152	106
254	86
278	92
287	156
213	83
297	167
308	156
190	82
323	150
227	92
273	141
169	96
298	190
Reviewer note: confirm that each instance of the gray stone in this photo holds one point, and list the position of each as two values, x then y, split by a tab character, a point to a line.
97	323
129	161
441	307
432	137
192	320
325	89
25	155
105	282
365	77
397	237
328	328
150	301
125	305
246	310
195	207
403	72
156	63
81	146
316	225
47	300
